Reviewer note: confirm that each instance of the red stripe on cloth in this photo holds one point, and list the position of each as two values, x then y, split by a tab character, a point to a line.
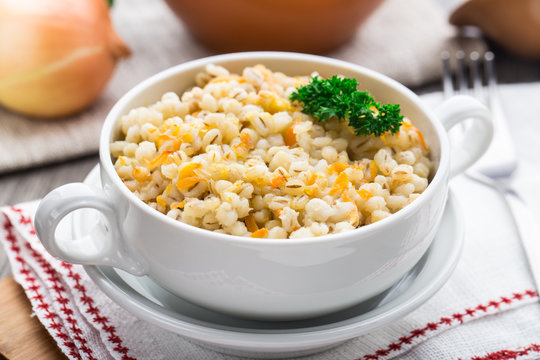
32	290
60	298
102	321
453	320
509	354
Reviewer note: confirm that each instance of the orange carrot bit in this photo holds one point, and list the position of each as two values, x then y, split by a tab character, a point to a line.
140	173
251	225
311	190
188	183
158	160
178	205
185	137
421	137
364	194
277	181
312	179
261	233
337	168
246	140
373	169
161	201
345	197
341	183
161	139
290	136
188	170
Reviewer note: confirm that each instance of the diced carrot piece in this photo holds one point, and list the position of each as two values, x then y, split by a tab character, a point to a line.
311	190
161	201
140	173
345	197
158	160
337	168
290	136
373	169
341	183
187	183
188	170
246	140
261	233
364	194
277	181
178	205
161	139
251	225
312	179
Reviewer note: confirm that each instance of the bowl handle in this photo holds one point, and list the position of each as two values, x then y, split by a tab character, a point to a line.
103	246
475	140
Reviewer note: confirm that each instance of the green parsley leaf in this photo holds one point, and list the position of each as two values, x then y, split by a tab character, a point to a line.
339	97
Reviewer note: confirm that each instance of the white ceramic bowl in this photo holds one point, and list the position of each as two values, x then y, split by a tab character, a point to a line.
265	278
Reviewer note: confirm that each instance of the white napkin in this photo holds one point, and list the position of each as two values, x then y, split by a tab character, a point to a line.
409	34
488	309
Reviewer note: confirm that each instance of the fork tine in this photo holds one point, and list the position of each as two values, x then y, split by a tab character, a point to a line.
462	83
489	71
448	86
476	75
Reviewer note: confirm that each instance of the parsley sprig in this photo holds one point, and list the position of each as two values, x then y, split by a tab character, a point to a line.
339	97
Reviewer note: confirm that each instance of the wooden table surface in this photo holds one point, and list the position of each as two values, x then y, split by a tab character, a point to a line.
34	183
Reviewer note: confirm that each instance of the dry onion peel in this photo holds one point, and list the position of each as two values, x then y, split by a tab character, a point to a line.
56	56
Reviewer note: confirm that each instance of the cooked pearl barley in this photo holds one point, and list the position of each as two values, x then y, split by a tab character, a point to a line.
405	157
301	233
421	170
318	210
277	233
405	189
234	155
329	153
343	226
319	229
396	202
226	215
375	203
289	219
402	172
379	215
238	229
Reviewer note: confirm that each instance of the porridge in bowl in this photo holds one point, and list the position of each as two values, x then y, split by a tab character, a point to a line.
235	155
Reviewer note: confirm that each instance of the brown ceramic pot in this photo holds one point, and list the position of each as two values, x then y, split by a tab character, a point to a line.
311	26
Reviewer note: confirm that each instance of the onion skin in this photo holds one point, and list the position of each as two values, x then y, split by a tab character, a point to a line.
56	56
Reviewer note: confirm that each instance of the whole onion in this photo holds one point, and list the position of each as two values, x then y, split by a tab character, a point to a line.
56	56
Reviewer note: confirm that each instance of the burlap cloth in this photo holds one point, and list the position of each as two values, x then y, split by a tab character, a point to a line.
403	39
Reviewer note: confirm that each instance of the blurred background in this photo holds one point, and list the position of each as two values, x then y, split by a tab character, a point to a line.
57	85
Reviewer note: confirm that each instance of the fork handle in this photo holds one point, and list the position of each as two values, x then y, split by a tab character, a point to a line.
474	142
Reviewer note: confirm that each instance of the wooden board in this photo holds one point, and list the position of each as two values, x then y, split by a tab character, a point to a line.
22	336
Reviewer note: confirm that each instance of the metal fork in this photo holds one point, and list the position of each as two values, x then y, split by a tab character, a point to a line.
496	167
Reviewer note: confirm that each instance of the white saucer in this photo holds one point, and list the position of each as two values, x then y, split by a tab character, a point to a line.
146	300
